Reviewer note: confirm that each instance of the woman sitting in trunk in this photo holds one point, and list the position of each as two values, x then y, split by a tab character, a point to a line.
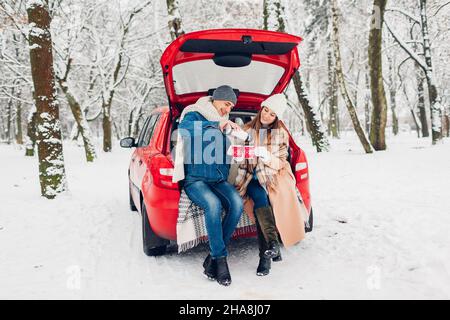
269	183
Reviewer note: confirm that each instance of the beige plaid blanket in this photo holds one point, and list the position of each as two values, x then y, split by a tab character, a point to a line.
191	228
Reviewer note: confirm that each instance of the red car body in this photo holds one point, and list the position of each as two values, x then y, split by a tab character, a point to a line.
152	191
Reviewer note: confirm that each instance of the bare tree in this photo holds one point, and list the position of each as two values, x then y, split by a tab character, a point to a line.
274	20
111	81
340	76
435	109
50	150
78	114
65	47
426	66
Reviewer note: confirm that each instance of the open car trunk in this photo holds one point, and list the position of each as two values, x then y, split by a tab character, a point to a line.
255	63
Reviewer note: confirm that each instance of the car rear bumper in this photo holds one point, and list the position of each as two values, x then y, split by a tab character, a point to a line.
162	208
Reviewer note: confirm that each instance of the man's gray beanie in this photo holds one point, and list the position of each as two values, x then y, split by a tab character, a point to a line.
225	93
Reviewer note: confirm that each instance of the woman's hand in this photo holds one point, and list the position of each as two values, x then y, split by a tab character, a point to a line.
263	153
224	124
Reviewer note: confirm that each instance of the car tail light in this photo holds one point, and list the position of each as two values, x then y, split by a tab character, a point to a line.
162	172
301	168
166	172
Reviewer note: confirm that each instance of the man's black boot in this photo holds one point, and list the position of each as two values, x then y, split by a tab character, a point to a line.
263	267
210	268
223	276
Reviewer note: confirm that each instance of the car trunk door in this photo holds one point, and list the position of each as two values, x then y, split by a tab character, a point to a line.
256	63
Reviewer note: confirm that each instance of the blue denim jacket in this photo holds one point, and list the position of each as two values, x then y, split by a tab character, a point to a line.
205	148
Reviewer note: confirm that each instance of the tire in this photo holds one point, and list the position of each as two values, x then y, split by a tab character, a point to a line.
152	244
132	206
311	222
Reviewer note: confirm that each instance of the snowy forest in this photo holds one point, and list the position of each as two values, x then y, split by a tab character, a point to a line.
376	68
370	105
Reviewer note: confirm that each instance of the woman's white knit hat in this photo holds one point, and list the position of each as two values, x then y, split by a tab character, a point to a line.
277	103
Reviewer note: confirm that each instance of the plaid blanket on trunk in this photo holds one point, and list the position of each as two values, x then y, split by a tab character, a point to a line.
191	228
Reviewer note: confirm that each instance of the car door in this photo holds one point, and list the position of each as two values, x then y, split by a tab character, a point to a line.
144	149
134	186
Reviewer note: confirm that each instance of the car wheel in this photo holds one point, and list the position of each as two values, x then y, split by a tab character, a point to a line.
153	245
311	222
132	206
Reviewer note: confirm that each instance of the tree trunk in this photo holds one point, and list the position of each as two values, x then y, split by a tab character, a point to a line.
447	125
416	123
80	119
311	49
174	21
9	108
393	94
50	150
367	99
395	128
340	75
116	130
421	106
130	123
30	140
19	131
413	114
273	13
379	103
107	130
435	108
274	21
333	121
313	122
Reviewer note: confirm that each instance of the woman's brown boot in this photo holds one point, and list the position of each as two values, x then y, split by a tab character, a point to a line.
266	221
264	264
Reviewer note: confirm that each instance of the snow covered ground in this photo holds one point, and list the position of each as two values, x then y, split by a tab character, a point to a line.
381	231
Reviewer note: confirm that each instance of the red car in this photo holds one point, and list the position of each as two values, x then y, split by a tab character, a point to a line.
255	62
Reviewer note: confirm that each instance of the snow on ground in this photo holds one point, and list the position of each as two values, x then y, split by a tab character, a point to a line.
381	231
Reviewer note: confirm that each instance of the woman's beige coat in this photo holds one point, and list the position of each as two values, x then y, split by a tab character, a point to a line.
277	178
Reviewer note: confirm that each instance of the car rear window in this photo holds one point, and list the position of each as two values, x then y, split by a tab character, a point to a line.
202	75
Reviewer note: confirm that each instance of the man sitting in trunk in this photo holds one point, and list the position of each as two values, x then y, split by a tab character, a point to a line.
204	172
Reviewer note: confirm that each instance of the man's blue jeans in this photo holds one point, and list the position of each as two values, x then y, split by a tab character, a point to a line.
213	198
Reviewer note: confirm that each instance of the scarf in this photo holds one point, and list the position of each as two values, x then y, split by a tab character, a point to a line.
205	107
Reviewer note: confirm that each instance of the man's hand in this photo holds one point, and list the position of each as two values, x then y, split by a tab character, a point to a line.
224	124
